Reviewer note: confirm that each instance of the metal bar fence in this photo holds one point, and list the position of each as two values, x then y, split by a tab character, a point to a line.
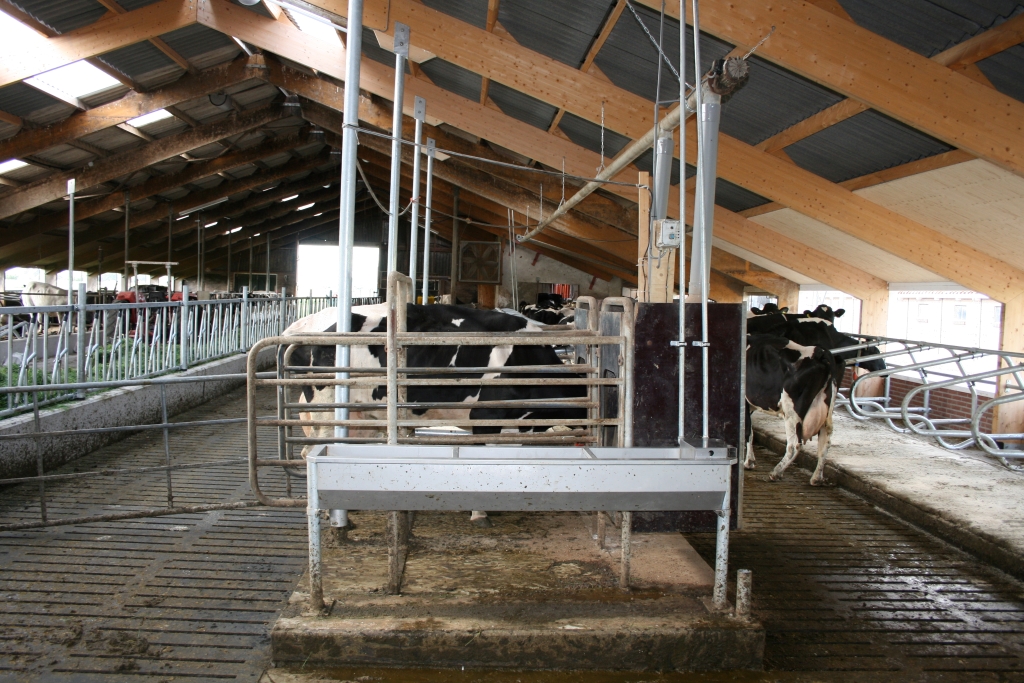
906	394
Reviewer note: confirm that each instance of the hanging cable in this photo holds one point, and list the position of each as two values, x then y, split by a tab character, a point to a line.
369	188
601	167
651	38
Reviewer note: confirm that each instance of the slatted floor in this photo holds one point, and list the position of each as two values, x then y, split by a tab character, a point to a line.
188	597
844	589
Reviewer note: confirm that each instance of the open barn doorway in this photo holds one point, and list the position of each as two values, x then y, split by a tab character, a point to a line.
318	270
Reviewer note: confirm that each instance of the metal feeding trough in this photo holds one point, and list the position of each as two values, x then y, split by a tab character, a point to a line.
510	478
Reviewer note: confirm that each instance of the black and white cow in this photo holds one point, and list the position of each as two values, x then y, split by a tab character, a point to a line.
438	318
798	383
814	328
767	309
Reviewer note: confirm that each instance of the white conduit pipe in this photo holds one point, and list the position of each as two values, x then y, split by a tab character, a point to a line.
401	52
420	114
426	217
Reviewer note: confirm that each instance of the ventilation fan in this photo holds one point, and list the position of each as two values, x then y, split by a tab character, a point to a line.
480	262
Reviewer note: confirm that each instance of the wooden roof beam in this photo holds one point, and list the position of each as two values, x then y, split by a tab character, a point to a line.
55	186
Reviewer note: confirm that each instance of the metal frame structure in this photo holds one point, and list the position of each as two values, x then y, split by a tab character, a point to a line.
939	366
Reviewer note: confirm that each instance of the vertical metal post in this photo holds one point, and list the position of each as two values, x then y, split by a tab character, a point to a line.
316	586
454	274
268	287
39	449
744	593
426	218
167	444
127	225
401	53
718	598
71	245
420	113
184	326
627	550
170	230
229	286
199	256
250	264
682	226
244	317
80	341
346	222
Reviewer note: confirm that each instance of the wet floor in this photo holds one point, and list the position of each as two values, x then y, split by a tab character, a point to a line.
846	592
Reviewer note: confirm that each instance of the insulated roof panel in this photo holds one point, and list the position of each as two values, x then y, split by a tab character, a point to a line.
63	15
736	198
21	100
453	78
1006	71
560	29
522	107
587	134
630	59
771	101
862	144
930	26
138	59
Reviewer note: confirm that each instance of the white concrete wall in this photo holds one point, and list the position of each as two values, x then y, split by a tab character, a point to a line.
548	270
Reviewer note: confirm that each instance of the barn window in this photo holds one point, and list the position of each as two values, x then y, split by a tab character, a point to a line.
960	314
922	313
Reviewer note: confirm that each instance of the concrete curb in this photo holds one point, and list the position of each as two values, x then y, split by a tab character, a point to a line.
989	549
115	408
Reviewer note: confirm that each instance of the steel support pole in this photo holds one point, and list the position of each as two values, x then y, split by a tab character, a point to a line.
199	256
71	245
718	597
682	229
80	339
420	114
127	223
268	287
229	286
401	53
170	229
454	274
426	218
184	326
316	586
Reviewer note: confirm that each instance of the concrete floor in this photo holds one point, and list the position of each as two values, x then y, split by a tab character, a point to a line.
533	592
964	497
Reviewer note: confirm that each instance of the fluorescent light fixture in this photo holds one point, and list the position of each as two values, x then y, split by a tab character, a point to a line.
76	80
288	199
210	225
151	117
11	165
256	235
207	205
318	214
233	230
305	206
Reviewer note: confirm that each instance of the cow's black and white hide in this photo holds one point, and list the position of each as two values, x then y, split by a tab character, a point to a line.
551	311
438	318
767	309
797	383
814	328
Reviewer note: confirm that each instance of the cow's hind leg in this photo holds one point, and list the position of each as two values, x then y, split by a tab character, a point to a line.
792	446
824	441
749	462
480	518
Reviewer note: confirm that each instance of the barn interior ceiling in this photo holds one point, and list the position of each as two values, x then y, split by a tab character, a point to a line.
872	144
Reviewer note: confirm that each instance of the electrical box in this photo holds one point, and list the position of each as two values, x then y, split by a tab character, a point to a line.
667	234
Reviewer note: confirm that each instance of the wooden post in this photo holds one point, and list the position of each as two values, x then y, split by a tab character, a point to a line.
485	295
644	213
874	319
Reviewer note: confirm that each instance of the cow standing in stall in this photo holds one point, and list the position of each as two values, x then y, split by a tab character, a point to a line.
437	318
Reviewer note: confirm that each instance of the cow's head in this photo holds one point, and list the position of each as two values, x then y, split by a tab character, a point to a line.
768	309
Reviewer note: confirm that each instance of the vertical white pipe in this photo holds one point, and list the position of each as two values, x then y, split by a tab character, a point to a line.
71	244
682	223
347	219
718	596
420	113
426	217
401	52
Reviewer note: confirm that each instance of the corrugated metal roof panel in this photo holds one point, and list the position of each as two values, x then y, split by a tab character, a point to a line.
192	41
63	15
135	4
645	162
930	26
138	59
560	29
735	198
865	143
587	134
1006	71
453	78
630	60
21	100
471	11
771	101
522	107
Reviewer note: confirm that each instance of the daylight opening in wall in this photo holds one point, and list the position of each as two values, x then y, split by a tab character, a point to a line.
849	322
143	280
111	281
318	270
62	278
16	279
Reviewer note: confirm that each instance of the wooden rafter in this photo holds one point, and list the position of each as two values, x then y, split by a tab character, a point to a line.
898	82
55	186
492	21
